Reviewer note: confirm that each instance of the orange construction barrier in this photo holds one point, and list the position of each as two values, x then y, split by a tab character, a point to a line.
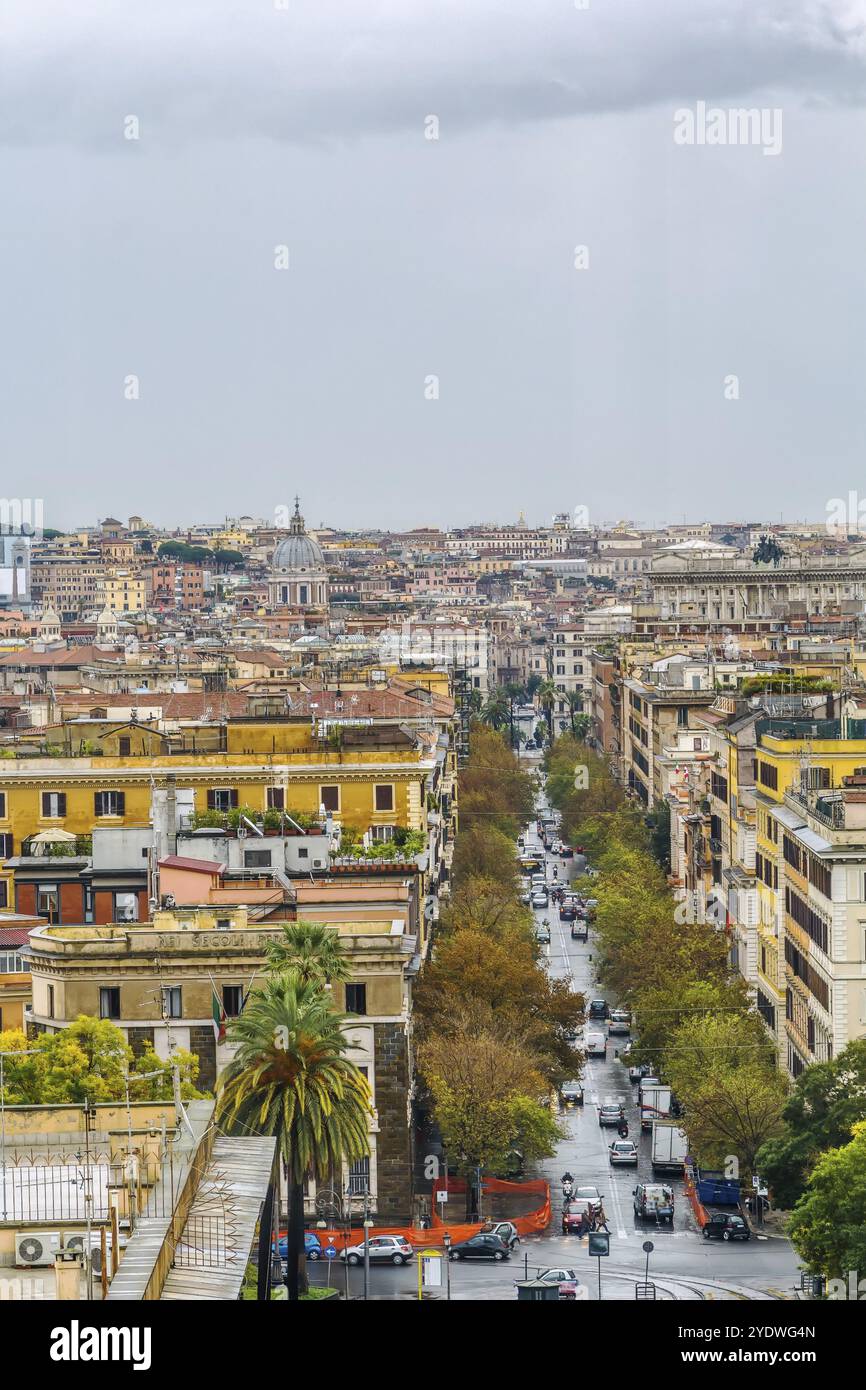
528	1224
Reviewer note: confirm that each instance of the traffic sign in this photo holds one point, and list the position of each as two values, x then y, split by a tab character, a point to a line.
330	1252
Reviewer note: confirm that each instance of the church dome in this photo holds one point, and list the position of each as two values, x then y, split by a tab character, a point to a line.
298	551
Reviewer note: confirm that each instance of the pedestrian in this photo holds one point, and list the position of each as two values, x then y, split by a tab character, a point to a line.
601	1220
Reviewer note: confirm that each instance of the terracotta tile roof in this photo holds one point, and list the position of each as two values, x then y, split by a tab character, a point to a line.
14	936
194	866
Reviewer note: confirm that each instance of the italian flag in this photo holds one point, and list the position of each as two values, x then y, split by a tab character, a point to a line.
219	1016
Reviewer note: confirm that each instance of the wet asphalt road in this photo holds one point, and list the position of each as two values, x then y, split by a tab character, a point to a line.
682	1265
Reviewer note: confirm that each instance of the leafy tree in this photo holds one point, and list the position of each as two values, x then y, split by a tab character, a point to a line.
487	852
503	973
494	789
290	1077
485	1092
828	1225
827	1100
723	1070
89	1061
660	835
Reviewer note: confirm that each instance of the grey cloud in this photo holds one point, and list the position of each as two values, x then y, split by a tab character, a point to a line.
337	69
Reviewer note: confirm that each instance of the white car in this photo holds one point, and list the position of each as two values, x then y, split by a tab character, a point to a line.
383	1250
623	1151
540	898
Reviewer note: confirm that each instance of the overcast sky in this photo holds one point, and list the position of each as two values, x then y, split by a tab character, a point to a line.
259	126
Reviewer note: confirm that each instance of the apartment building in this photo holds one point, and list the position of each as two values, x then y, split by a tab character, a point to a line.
158	981
780	825
569	668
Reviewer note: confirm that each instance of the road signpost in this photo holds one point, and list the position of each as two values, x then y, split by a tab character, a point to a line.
599	1245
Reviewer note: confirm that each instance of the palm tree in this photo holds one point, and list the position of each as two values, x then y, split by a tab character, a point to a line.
496	711
290	1078
313	951
574	703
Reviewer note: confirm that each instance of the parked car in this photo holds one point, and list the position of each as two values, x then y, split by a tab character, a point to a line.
505	1230
596	1045
654	1200
590	873
598	1008
566	1279
481	1247
383	1250
312	1246
540	898
623	1151
726	1226
567	852
619	1022
571	1093
579	930
610	1115
637	1072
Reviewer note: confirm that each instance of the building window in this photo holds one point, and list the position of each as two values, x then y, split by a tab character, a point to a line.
126	907
109	803
171	1002
48	901
276	798
124	747
4	892
356	999
12	963
233	1000
257	859
329	797
222	799
2	805
53	805
384	794
5	846
359	1177
224	924
109	1002
50	1001
768	776
382	834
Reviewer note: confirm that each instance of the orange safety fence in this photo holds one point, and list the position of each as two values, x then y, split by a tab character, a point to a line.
530	1223
700	1211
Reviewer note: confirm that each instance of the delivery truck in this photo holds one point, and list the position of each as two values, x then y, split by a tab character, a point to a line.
655	1103
669	1147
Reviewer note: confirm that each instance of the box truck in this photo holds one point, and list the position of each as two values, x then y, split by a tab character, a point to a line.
669	1146
655	1103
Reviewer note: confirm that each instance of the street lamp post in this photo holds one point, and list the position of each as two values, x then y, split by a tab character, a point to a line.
446	1241
367	1224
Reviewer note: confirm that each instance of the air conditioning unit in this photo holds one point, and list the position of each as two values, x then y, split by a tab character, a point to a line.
36	1248
76	1242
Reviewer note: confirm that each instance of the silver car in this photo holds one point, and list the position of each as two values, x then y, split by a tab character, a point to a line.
623	1151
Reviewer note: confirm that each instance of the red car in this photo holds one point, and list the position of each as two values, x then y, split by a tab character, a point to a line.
571	1218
